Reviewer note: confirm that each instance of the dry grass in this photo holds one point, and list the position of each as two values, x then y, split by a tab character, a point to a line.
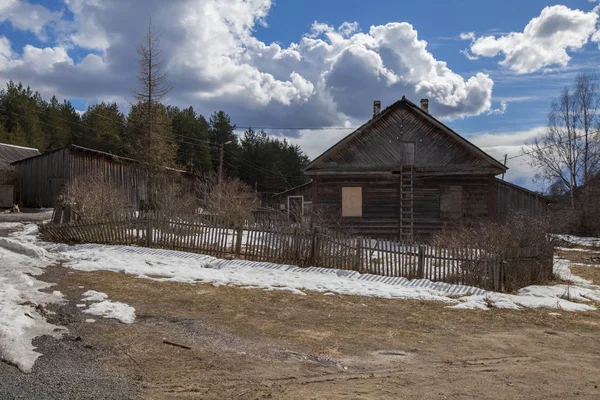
251	344
587	272
348	323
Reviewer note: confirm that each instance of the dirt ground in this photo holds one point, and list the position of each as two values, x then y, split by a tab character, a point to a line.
255	344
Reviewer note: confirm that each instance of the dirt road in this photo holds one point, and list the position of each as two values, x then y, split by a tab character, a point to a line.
254	344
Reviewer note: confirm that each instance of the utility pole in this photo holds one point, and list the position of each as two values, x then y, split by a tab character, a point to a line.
221	161
505	159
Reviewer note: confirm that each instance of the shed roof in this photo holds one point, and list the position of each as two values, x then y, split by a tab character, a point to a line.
97	152
540	196
383	122
10	153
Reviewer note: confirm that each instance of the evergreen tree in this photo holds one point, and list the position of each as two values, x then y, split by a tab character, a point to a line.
103	128
271	165
221	132
20	113
191	132
157	150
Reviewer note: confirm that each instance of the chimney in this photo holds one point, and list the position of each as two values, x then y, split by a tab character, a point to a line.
376	107
425	105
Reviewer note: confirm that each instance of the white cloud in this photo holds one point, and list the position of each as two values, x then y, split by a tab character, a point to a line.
467	36
26	16
545	41
511	144
328	78
499	111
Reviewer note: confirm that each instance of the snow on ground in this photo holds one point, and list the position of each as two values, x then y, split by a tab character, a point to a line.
106	308
113	309
579	241
20	319
165	265
22	257
92	295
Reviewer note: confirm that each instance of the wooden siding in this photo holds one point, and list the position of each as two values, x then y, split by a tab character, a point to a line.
304	190
514	199
41	179
381	146
381	203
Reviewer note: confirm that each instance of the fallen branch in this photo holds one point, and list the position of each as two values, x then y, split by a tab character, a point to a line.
165	341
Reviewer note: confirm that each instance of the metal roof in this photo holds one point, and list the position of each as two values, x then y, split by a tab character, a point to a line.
10	153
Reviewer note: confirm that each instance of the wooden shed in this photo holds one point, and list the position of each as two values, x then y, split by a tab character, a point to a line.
406	175
9	154
42	178
296	201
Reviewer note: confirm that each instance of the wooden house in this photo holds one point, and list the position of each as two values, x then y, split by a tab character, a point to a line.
8	155
42	178
406	175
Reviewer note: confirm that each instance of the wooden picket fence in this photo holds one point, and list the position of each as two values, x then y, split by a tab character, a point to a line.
278	242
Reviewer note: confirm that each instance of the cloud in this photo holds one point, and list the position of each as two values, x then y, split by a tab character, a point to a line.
545	41
499	111
511	144
467	36
26	16
330	77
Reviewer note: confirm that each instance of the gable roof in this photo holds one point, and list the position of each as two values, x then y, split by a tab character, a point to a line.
10	153
378	124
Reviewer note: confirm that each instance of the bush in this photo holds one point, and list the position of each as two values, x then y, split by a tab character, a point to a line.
519	232
231	198
93	198
522	244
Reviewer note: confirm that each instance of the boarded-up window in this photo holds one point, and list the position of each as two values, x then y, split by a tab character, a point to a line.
352	202
451	202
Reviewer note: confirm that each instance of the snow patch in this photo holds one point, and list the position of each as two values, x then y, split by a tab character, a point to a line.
579	241
20	294
92	295
26	249
113	309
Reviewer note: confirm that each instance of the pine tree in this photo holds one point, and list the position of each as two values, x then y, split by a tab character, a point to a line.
103	128
221	132
191	132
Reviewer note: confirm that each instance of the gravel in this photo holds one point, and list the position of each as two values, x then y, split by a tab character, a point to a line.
67	370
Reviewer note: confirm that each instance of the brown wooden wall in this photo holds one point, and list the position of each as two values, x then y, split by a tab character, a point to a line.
381	198
41	179
513	199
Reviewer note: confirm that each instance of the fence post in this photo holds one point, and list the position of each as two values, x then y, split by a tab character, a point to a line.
314	246
421	265
238	240
148	230
359	252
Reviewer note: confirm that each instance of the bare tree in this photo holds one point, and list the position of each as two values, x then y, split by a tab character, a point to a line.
587	101
568	151
149	137
151	72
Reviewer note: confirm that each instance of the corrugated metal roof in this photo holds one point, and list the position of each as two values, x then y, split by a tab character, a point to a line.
10	154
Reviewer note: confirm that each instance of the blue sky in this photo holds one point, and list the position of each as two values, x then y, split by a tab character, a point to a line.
489	69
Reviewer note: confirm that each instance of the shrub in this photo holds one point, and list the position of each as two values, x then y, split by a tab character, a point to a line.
231	198
92	197
522	244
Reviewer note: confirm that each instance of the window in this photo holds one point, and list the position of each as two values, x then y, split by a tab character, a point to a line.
451	202
352	202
